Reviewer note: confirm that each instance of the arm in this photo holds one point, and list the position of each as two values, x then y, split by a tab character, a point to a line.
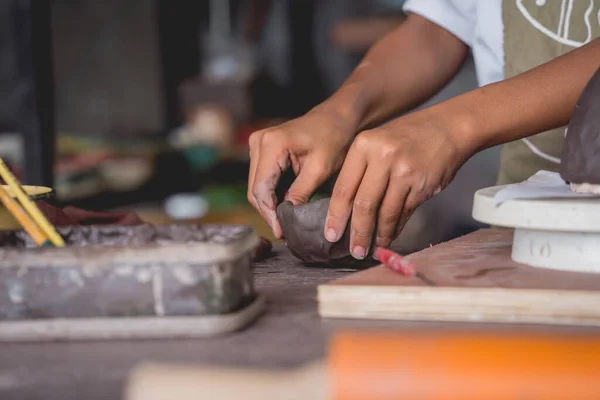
401	71
540	99
391	170
361	33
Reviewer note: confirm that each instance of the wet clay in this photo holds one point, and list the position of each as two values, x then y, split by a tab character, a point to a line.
303	230
580	160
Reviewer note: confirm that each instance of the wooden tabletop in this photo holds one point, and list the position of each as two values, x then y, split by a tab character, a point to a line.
289	334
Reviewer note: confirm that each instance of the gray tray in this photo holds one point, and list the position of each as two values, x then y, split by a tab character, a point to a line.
141	271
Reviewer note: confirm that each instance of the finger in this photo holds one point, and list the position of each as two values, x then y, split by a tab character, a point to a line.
342	197
311	176
390	212
254	157
410	205
273	161
364	211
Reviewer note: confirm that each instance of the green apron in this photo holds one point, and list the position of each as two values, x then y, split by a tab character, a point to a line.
535	32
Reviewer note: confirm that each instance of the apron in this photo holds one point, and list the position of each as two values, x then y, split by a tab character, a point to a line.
535	32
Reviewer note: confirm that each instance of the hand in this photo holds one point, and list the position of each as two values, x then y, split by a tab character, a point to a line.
314	145
387	174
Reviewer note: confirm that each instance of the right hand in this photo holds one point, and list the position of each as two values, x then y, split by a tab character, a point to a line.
314	145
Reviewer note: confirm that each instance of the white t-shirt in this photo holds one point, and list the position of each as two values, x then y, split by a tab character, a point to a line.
478	23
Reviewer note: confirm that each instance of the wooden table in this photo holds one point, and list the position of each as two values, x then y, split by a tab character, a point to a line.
289	334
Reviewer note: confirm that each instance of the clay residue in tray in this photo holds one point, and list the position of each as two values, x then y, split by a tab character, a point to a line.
136	236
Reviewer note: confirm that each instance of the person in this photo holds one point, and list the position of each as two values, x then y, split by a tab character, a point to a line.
532	58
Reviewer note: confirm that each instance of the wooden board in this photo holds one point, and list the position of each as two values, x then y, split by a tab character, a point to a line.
472	279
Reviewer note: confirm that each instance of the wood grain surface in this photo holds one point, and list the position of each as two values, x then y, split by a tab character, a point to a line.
471	278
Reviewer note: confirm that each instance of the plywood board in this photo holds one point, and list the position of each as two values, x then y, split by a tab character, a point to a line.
472	279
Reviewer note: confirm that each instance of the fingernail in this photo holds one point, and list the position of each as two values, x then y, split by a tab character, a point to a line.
358	252
331	235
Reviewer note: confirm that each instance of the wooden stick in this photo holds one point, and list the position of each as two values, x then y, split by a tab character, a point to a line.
19	213
188	382
30	207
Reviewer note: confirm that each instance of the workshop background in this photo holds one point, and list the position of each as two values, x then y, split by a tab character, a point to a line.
148	105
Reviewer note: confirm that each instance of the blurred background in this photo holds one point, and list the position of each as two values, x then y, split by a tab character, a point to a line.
147	105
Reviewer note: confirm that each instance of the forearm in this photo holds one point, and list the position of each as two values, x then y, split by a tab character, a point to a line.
401	71
540	99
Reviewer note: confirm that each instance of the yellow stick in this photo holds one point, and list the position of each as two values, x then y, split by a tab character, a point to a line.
19	213
30	207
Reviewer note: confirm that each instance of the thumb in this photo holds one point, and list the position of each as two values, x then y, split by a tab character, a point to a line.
305	185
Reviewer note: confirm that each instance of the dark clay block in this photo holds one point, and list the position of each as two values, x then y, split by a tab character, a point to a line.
303	230
580	161
112	271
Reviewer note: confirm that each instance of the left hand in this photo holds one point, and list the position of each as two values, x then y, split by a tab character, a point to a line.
388	172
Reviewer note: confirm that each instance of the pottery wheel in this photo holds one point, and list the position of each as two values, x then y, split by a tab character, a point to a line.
560	234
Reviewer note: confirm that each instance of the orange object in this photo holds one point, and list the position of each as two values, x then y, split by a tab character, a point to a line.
417	366
454	366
